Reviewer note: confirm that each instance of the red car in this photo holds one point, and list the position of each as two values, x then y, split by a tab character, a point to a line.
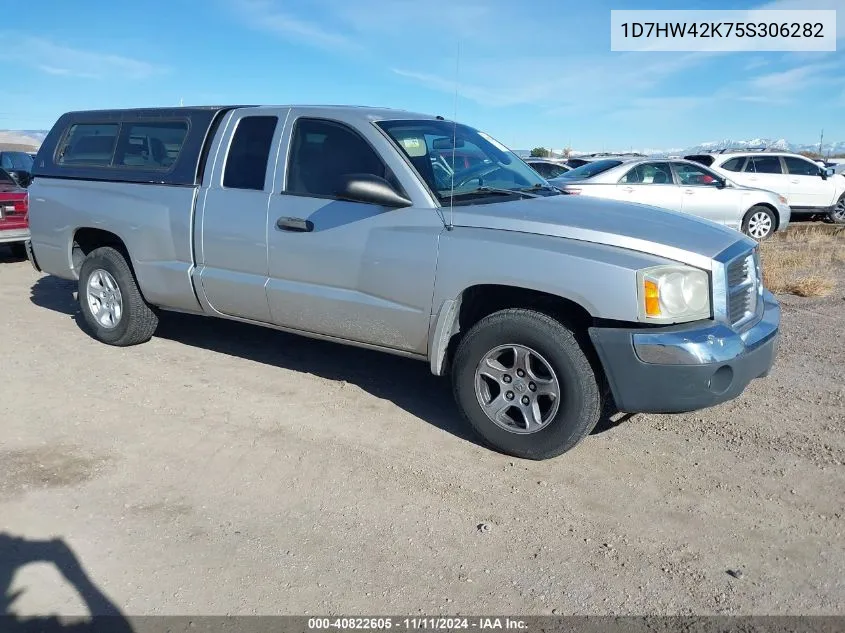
14	214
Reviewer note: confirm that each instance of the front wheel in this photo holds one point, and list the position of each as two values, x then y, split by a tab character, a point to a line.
837	213
759	223
524	383
111	302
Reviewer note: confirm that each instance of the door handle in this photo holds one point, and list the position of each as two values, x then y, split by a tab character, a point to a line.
299	225
689	192
794	182
627	189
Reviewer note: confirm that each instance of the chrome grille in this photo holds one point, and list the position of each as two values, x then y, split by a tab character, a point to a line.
743	288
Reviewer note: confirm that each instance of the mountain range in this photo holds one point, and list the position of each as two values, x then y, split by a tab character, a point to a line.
710	146
34	138
20	139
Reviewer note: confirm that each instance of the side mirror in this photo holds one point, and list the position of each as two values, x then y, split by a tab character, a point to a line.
720	183
370	189
826	172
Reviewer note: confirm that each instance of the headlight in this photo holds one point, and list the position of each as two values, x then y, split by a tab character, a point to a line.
672	294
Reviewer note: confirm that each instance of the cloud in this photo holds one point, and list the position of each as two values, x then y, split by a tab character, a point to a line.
795	79
513	58
755	62
56	59
784	86
264	15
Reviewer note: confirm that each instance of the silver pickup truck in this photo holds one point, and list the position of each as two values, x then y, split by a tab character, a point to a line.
409	234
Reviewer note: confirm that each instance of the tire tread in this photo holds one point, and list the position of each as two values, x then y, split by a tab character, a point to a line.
142	320
560	336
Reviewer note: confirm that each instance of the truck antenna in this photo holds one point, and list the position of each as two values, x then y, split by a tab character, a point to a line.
449	224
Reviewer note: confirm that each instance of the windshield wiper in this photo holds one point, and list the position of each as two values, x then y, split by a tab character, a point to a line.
504	192
540	186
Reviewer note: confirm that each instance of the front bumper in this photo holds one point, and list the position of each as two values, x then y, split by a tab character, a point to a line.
686	367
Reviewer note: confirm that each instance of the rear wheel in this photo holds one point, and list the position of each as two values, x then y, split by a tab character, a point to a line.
525	384
759	223
112	306
837	213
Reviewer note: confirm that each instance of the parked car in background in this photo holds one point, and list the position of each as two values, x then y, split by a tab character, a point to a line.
18	165
576	162
548	167
14	206
808	188
583	159
536	304
680	185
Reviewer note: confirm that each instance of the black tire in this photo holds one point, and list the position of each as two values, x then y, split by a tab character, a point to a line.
18	250
755	210
837	213
138	322
581	401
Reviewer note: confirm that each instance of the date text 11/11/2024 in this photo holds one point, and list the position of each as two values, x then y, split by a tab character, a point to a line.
417	623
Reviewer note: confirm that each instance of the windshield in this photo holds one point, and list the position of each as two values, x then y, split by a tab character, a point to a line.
19	161
460	163
590	169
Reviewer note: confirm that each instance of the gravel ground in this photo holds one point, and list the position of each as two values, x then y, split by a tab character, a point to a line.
223	468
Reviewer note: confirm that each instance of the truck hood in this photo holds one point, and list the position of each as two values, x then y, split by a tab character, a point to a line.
676	236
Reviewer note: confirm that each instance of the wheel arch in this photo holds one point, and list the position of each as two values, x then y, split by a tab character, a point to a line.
766	205
475	302
86	239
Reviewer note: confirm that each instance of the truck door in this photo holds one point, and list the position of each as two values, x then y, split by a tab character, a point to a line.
355	271
232	225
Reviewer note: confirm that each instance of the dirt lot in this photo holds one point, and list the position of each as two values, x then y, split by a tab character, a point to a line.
224	468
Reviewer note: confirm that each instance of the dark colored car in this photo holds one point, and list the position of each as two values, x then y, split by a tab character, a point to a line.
14	214
18	165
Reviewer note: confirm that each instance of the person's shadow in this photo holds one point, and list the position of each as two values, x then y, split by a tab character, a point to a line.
407	383
17	552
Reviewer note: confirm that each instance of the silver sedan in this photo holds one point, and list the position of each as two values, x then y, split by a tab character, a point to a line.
682	186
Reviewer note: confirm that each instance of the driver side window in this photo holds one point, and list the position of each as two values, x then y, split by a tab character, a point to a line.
323	152
800	167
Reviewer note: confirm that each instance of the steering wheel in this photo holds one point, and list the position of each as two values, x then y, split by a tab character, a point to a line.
479	171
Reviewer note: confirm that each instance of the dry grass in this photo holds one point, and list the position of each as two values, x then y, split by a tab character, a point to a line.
805	260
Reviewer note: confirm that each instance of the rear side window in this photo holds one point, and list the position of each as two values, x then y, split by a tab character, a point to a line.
800	167
246	163
151	145
88	144
734	164
764	165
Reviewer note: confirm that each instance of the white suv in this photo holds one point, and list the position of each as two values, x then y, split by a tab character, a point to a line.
808	188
